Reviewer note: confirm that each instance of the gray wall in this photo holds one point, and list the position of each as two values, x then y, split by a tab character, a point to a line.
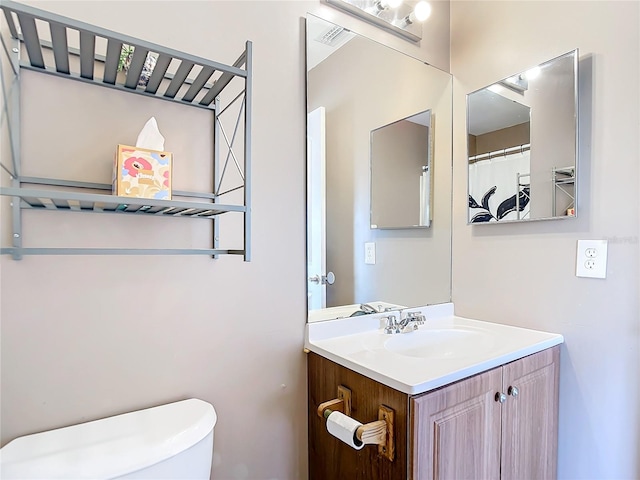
499	139
524	274
398	153
552	138
75	344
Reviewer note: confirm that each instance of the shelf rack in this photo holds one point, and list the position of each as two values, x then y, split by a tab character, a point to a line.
563	181
26	25
523	190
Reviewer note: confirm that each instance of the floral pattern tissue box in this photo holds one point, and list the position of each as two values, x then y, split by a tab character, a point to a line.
143	173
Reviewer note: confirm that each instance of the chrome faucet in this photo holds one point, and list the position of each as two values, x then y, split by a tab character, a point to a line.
411	321
366	308
407	324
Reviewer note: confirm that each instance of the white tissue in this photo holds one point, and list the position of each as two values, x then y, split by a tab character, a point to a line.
150	136
344	428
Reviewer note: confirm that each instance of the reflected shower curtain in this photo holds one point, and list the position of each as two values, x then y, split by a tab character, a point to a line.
425	197
494	190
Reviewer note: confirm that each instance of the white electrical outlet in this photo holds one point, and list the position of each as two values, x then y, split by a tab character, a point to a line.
370	253
591	259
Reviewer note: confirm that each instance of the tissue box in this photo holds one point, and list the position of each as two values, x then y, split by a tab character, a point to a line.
143	173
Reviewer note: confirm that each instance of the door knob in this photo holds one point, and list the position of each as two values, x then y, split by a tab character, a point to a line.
513	391
327	279
500	397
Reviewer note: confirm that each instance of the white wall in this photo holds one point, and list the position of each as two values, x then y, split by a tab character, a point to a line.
231	333
525	274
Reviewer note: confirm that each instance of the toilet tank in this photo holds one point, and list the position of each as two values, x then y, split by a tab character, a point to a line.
169	441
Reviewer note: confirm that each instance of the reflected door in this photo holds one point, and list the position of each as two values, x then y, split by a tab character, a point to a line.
316	210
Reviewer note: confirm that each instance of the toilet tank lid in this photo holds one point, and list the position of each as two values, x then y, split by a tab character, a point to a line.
109	447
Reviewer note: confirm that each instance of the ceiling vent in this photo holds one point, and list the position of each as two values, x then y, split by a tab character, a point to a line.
334	37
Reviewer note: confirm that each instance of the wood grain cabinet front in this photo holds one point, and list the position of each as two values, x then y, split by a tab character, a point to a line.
499	424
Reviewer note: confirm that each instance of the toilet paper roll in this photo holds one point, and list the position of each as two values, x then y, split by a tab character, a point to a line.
344	428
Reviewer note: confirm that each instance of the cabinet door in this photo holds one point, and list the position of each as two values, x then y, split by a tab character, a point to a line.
530	417
456	430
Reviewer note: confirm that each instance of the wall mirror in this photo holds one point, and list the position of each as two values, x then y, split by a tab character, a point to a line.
356	86
522	144
400	157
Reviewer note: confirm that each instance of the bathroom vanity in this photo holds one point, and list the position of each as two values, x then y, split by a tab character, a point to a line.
470	399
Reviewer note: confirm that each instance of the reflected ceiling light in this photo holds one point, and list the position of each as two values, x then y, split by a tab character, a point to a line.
397	16
533	73
517	83
520	83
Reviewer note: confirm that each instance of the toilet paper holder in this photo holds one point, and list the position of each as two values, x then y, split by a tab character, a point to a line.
379	432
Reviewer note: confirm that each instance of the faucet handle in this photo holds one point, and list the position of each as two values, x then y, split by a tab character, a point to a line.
391	324
416	317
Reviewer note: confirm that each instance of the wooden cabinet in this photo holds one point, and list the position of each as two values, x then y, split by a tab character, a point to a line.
329	458
499	424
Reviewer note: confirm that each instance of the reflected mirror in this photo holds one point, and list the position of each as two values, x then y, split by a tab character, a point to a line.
522	144
400	157
357	89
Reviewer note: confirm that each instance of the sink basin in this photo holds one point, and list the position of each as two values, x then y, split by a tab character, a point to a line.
452	343
447	348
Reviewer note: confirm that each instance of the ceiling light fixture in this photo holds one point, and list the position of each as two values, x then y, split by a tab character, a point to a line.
404	18
517	83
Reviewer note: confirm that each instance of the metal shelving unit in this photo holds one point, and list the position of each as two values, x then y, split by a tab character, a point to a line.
523	190
564	182
176	77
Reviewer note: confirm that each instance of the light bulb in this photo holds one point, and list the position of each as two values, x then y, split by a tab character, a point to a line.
391	3
381	5
421	12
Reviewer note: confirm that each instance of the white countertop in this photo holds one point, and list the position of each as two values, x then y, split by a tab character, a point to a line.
445	349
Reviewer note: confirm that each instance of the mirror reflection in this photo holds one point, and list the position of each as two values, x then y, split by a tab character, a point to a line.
522	137
356	86
400	157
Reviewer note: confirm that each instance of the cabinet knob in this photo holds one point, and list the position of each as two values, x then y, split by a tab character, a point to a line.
513	391
501	397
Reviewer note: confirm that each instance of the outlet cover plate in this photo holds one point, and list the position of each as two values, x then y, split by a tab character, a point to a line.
591	259
370	253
